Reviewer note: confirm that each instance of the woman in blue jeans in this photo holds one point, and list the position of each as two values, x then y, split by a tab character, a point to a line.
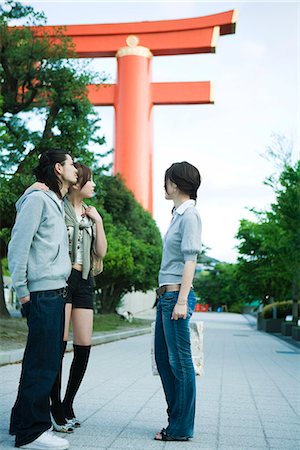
176	302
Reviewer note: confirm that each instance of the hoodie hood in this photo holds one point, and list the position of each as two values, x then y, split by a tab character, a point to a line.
49	193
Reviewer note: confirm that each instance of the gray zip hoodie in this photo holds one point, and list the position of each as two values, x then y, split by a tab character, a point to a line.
38	254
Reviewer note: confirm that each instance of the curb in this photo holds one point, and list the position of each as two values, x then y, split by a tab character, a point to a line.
16	356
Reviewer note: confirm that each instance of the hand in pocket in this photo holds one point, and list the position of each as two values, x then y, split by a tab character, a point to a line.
24	300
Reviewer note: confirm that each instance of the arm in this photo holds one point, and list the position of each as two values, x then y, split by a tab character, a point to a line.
190	247
100	244
187	280
27	223
180	308
37	186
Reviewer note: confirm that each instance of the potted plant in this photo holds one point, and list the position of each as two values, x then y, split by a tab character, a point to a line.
296	331
287	325
272	316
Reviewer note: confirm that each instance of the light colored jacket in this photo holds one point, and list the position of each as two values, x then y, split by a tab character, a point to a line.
38	255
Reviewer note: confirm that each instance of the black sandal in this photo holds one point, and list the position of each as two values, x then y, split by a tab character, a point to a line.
167	437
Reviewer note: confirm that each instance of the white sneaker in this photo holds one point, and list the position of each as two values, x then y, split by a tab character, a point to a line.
67	427
74	422
47	441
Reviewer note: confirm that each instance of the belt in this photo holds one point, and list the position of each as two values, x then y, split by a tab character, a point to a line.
168	288
62	291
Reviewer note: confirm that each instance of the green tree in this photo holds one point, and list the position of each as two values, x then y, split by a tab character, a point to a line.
220	286
38	78
269	261
262	250
287	214
44	103
3	310
134	244
270	248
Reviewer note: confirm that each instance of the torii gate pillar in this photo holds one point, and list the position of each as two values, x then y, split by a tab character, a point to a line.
133	131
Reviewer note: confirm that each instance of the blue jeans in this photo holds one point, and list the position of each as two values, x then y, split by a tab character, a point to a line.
175	365
30	416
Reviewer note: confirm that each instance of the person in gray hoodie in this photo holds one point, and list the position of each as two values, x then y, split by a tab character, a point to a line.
39	264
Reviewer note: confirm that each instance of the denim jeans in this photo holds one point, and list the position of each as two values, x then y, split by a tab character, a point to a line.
30	415
175	365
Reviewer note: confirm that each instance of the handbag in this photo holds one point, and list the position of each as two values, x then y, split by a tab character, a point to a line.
96	261
196	337
97	264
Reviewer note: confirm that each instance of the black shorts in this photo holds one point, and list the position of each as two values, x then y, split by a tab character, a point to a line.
80	292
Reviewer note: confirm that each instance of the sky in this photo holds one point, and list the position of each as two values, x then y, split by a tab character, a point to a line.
256	78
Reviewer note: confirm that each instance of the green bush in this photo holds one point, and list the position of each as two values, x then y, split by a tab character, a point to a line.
283	309
236	307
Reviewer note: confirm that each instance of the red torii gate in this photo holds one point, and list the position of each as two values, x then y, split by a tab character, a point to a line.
134	94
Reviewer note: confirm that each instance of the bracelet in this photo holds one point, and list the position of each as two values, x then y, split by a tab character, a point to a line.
182	302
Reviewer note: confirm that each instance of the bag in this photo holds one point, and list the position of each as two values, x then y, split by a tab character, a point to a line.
96	261
196	337
97	264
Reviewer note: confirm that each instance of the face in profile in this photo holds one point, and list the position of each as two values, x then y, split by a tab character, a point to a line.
87	191
68	171
170	189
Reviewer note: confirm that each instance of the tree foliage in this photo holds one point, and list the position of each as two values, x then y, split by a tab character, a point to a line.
221	286
134	244
44	104
270	248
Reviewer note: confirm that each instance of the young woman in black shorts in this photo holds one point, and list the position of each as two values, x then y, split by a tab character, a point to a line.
86	235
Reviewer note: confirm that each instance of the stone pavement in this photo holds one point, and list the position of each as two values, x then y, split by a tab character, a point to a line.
248	397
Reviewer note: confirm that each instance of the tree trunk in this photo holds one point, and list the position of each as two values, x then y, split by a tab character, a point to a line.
3	310
110	298
295	298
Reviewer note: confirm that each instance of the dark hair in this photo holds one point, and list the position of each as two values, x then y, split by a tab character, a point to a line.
186	177
84	174
45	171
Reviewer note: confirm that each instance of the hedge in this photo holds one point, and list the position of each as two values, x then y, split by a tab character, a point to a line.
283	309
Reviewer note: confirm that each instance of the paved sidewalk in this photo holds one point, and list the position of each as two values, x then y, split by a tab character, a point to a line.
248	397
16	355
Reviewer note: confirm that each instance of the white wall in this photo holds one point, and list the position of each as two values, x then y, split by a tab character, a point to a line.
136	302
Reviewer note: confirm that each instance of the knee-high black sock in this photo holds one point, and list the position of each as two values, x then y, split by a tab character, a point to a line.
77	371
57	409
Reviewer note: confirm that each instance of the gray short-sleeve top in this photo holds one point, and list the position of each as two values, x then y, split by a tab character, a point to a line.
181	243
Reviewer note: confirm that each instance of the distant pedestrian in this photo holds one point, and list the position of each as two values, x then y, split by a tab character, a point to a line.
39	264
176	302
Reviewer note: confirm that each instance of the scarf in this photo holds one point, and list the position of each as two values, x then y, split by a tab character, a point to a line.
87	236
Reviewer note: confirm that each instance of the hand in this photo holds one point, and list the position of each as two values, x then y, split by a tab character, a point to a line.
93	214
179	312
39	186
24	299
